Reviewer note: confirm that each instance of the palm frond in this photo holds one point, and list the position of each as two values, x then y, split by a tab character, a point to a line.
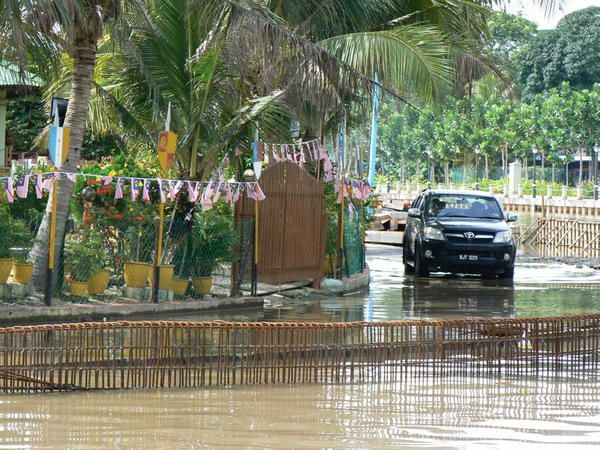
407	58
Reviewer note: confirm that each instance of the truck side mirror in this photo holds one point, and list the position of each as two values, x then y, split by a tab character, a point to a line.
414	212
511	217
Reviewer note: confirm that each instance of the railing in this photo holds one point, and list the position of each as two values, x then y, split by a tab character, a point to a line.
549	191
123	355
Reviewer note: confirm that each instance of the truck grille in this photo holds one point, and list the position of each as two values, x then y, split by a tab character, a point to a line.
477	238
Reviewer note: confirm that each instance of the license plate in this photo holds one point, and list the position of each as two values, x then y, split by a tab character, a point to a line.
468	257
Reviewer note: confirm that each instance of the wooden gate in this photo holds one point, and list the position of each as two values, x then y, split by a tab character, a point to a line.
292	224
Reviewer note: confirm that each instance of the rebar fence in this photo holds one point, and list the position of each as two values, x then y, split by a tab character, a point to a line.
122	355
555	236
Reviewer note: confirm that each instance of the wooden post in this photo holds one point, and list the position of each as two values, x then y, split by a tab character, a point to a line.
51	250
256	244
340	256
3	153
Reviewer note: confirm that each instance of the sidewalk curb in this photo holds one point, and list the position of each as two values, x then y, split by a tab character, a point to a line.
28	313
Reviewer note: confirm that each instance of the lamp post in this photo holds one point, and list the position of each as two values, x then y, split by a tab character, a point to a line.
477	151
596	151
535	151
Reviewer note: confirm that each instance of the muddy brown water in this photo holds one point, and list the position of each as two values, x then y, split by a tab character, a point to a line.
470	411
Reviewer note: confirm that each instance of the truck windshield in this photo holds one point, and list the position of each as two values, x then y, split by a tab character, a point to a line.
458	205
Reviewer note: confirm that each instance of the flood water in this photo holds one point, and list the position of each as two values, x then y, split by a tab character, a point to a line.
452	413
541	288
469	411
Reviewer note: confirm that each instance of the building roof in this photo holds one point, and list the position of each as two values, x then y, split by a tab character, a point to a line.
12	76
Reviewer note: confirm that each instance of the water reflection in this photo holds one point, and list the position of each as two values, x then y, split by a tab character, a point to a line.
541	288
449	412
443	299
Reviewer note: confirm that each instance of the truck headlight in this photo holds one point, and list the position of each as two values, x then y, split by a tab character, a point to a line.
433	233
503	236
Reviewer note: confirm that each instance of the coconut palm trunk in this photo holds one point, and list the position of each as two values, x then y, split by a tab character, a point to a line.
81	85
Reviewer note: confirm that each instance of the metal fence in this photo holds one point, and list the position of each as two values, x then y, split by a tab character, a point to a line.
354	247
121	355
113	250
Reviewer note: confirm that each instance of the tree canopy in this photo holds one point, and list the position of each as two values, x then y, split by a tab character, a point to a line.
571	52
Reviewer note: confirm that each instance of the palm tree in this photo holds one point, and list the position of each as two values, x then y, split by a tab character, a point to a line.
43	29
238	62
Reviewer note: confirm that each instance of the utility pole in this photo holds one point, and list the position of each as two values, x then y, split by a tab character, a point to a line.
374	129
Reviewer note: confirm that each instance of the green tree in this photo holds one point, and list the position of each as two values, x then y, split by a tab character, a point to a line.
571	52
509	34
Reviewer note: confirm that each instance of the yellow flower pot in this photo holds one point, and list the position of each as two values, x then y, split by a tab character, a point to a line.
180	286
165	277
329	264
78	288
202	285
22	272
136	274
5	268
99	282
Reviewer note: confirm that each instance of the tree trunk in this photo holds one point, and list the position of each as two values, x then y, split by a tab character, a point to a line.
553	172
447	173
543	164
84	60
464	168
487	168
526	168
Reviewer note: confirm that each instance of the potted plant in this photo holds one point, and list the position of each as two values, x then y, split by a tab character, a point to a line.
83	259
13	234
210	242
22	270
136	271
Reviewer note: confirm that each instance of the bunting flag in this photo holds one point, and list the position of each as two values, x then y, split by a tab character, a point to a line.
205	200
135	189
351	210
250	193
23	186
300	154
193	191
48	181
162	190
208	193
146	191
7	184
119	189
174	188
217	195
260	195
39	192
70	176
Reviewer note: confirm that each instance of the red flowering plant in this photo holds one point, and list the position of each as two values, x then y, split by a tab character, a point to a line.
95	206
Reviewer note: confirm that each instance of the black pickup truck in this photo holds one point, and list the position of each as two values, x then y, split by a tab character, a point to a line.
459	232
